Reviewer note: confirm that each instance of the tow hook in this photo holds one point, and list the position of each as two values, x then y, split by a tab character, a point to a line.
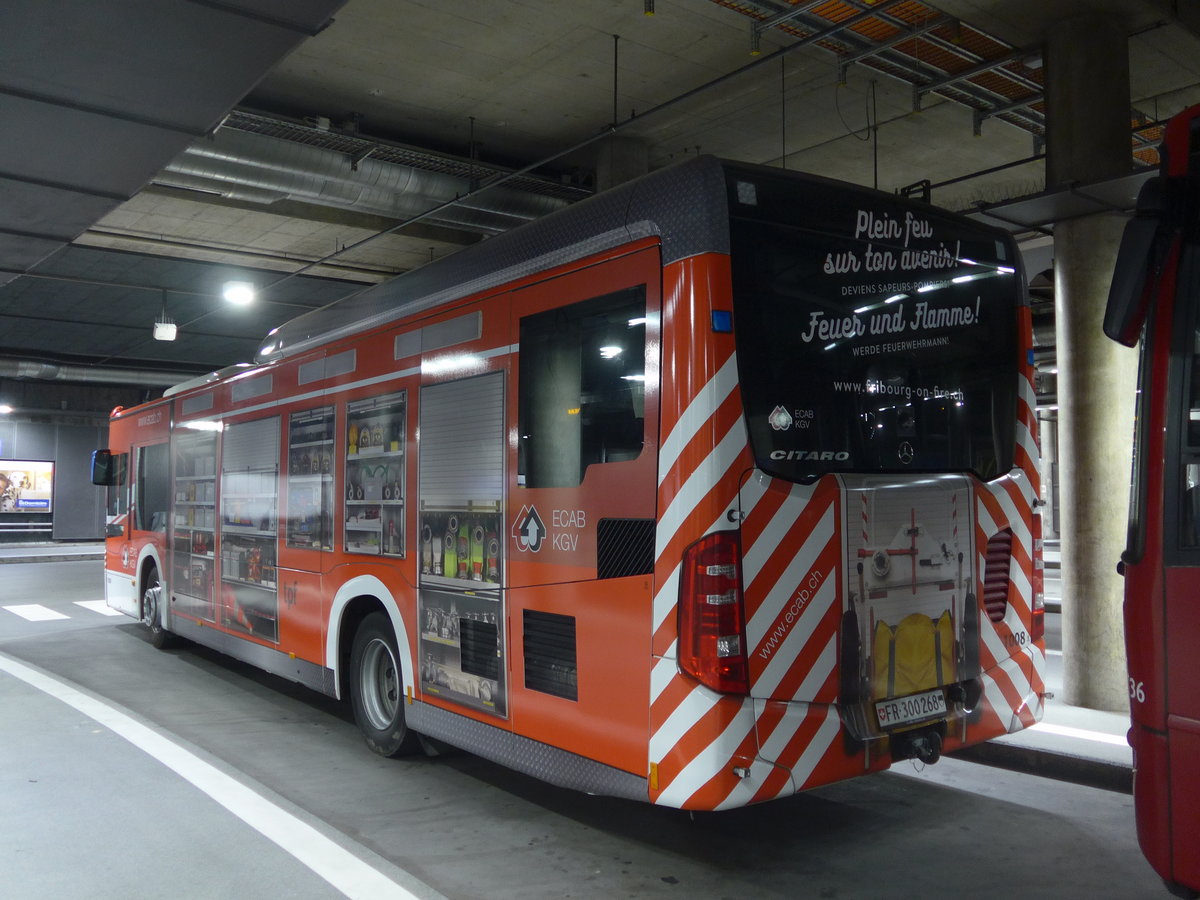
924	744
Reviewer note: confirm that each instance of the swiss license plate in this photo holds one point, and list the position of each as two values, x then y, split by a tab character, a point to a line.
913	708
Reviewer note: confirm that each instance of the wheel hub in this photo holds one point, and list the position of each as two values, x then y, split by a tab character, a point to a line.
380	685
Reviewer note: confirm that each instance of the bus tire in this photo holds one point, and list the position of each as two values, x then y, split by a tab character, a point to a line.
160	638
377	689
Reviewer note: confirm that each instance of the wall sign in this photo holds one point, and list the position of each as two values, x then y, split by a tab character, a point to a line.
26	486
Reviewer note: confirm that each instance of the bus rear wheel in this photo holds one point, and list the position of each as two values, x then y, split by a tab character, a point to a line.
377	689
152	611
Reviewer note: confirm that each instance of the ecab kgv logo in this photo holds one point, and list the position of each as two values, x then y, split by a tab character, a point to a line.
529	531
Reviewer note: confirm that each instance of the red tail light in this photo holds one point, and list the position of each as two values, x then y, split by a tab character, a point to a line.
712	618
1037	627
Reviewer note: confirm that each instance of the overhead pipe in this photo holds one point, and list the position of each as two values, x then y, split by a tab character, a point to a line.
225	189
270	168
43	371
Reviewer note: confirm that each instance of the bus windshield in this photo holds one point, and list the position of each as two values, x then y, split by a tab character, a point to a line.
872	335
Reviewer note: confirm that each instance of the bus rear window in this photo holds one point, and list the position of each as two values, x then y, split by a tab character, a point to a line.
872	336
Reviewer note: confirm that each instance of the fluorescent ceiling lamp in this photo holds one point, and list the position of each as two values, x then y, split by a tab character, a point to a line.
238	293
5	409
164	326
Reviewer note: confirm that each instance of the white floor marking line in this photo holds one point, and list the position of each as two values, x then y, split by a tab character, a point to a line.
35	612
98	606
337	865
1117	740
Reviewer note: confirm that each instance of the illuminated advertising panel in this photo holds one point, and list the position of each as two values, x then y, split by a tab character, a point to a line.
26	486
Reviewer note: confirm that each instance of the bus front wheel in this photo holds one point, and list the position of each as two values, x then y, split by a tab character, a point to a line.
152	611
377	688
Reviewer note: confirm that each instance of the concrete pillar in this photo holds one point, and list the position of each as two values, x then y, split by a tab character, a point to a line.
1088	140
620	159
1096	382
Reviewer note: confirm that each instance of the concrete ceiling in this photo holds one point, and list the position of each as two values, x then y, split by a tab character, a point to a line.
120	186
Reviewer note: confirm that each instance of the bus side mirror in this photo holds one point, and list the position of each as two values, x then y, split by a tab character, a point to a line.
103	472
1128	297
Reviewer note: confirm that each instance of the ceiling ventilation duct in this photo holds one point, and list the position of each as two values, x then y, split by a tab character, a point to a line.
41	371
259	168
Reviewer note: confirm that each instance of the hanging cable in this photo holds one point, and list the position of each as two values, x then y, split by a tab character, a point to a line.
616	59
873	123
866	136
782	114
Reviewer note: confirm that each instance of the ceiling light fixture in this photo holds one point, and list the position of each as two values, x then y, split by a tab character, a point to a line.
239	293
164	327
5	409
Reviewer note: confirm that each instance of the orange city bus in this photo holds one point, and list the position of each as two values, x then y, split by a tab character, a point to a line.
709	489
1156	295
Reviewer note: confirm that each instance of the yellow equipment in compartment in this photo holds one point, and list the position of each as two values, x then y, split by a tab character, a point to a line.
916	655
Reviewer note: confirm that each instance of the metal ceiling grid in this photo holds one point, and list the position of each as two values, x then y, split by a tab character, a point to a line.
951	58
955	60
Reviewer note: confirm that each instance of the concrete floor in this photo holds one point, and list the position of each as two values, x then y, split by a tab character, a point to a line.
255	765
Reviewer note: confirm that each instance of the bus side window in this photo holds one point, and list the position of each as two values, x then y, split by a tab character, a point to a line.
1191	506
1189	518
582	387
153	488
1193	412
118	491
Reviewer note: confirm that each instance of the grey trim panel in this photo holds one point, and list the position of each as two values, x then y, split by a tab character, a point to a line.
328	367
524	755
250	388
311	675
684	204
197	403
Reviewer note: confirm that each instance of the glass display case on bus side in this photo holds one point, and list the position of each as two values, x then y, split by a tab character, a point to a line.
194	523
310	480
374	485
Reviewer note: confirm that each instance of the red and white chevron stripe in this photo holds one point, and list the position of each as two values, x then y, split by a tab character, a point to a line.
800	559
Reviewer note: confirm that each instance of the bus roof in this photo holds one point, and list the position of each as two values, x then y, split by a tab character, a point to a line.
684	205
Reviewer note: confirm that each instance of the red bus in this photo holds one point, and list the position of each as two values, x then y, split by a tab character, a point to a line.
709	489
1156	295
